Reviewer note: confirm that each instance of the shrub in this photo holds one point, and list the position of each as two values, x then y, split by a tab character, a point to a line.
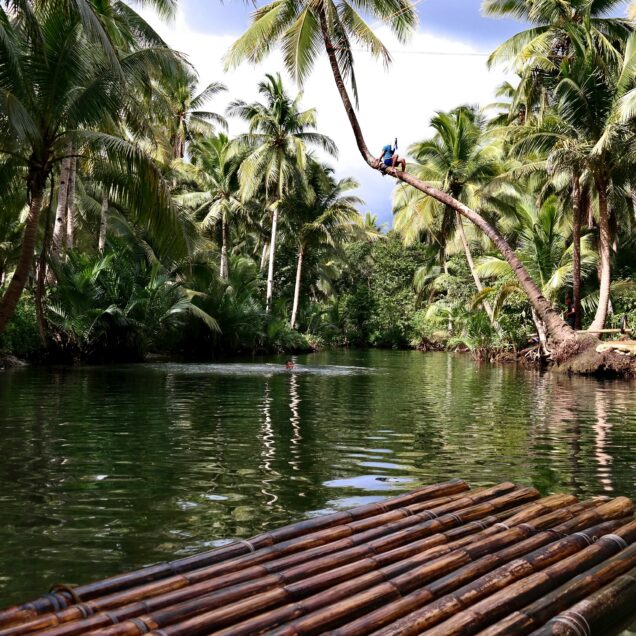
21	337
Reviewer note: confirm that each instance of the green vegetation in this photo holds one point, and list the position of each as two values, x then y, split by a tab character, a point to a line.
133	223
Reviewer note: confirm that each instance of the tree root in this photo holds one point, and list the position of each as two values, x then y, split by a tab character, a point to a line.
580	357
10	362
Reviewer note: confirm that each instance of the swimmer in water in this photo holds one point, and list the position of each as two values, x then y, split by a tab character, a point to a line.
289	364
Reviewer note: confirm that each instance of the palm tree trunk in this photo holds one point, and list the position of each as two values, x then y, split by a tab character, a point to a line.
556	326
224	270
449	321
41	276
541	332
605	247
59	230
299	270
70	205
264	255
25	262
576	249
270	268
475	275
103	224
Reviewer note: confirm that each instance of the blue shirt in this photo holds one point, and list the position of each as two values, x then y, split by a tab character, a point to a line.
388	152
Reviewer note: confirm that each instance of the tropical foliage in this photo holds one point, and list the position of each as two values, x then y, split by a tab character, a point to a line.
133	222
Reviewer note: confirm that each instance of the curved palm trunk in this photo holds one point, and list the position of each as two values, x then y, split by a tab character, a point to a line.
224	270
25	262
605	247
471	265
576	249
103	224
556	326
299	270
270	268
70	205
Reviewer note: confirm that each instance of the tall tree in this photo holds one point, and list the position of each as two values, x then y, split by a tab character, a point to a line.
215	197
582	135
323	219
540	232
61	87
179	102
275	151
458	159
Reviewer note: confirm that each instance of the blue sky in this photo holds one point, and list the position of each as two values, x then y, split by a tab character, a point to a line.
445	52
456	18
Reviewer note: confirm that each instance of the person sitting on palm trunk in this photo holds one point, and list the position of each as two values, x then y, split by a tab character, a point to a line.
390	159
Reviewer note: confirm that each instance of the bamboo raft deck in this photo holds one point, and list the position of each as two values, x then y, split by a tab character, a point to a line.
444	559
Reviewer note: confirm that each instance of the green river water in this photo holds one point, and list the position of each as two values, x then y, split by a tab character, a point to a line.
106	469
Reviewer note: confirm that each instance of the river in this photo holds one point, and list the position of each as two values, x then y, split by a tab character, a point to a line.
105	469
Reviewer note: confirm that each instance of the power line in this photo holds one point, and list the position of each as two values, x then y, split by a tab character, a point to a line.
437	53
408	52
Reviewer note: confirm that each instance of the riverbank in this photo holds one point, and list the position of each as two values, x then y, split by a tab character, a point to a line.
585	361
8	361
588	357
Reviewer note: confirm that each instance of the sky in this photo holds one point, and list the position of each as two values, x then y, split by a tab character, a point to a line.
442	66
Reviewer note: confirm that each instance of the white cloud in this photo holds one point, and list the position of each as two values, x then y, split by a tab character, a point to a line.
398	101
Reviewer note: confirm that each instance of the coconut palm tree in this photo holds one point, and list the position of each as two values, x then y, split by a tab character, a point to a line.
178	103
462	164
275	151
59	88
585	135
322	219
214	197
558	28
304	27
541	232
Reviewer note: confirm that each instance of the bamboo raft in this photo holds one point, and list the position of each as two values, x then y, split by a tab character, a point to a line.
444	559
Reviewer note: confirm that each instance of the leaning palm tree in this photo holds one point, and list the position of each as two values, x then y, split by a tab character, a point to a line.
306	26
59	88
275	151
457	158
322	220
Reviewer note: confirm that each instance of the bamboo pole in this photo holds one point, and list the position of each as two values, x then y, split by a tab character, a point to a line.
60	600
522	592
521	560
481	554
287	613
124	605
293	552
495	558
606	607
538	613
214	610
370	569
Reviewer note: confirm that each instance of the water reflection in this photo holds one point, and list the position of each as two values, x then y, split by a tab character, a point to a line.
602	429
294	407
105	469
269	446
